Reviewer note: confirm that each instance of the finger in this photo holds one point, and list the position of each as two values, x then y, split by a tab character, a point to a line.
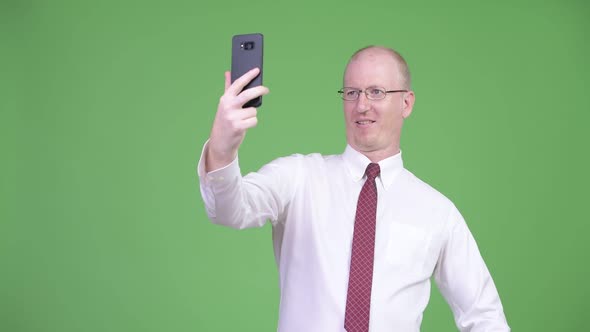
247	113
242	114
249	123
227	80
239	84
250	94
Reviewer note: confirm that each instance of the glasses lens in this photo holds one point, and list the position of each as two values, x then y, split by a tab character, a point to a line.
350	94
375	93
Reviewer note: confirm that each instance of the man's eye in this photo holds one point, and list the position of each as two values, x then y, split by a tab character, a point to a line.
375	92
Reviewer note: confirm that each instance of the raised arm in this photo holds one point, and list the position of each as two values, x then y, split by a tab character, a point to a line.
230	199
232	121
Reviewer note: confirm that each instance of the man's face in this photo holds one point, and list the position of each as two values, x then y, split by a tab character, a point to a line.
373	127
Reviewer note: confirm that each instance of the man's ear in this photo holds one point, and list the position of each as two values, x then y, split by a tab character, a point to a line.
408	103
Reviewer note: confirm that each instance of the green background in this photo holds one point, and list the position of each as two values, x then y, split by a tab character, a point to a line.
105	107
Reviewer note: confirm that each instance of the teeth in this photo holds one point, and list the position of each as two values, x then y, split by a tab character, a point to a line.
364	122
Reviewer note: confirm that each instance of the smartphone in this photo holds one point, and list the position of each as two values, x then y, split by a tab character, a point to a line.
246	54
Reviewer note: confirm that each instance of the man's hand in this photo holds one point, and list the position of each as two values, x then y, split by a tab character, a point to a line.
232	121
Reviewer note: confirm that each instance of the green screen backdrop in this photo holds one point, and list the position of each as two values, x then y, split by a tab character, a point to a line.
105	106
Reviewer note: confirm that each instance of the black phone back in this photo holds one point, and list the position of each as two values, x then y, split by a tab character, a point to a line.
247	51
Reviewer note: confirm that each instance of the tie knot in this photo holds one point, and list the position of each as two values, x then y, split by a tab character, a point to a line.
372	171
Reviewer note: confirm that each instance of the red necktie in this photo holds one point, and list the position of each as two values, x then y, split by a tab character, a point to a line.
358	299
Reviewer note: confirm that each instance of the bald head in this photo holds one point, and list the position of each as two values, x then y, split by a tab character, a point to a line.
403	72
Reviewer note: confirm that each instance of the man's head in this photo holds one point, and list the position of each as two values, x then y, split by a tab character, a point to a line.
373	127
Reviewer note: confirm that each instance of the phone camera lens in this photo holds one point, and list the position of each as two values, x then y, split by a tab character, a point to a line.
248	45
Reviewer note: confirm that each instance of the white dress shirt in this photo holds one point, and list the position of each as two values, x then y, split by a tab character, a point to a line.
311	202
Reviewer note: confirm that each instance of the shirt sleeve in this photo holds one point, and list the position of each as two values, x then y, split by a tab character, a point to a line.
247	201
465	282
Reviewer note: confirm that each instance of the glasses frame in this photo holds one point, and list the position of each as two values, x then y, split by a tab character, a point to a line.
341	92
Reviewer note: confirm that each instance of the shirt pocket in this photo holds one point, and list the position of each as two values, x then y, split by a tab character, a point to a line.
407	245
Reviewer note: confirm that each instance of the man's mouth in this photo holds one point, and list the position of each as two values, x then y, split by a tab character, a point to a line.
364	122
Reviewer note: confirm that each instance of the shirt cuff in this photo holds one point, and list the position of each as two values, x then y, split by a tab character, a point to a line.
219	175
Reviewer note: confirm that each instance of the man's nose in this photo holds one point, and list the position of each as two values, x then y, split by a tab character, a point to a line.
362	103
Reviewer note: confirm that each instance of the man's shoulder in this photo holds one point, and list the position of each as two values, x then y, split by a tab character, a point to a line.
310	164
306	159
420	189
425	206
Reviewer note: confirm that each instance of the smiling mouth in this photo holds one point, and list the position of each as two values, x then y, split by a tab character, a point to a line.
364	122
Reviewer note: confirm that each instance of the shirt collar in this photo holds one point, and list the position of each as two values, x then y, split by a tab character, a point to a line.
357	163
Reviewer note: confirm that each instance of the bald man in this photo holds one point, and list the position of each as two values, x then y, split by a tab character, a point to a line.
356	236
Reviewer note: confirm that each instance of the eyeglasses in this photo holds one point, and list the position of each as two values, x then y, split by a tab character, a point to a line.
374	93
